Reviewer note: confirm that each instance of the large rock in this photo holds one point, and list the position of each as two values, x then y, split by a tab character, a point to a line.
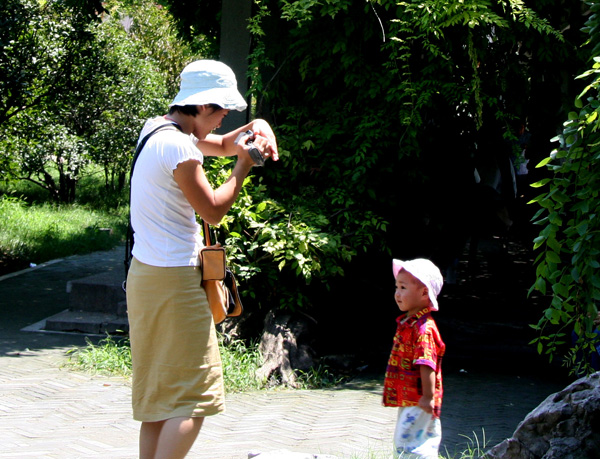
564	426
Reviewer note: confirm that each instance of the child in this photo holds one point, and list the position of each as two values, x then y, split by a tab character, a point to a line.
413	378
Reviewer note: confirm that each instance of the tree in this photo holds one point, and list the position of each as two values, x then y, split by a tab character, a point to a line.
86	88
47	47
569	241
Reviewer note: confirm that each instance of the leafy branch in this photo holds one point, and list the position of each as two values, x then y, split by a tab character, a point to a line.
569	241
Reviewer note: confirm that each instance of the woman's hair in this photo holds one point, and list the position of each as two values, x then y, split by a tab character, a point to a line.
191	110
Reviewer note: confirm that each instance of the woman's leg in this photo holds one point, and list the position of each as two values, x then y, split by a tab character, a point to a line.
176	437
149	434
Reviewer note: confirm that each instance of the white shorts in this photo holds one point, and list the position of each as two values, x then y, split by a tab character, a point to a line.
418	434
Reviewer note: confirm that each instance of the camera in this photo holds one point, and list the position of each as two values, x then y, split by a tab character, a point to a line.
254	153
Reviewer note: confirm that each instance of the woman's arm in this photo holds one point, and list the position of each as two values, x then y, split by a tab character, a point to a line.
224	145
211	205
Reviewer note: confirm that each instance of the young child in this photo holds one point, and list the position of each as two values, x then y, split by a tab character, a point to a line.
413	378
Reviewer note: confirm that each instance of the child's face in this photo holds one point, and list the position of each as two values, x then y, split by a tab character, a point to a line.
411	295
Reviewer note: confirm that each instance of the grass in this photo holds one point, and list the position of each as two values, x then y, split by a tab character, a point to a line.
475	449
41	232
112	356
240	362
318	377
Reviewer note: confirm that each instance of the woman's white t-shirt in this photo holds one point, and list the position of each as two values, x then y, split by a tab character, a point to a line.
164	223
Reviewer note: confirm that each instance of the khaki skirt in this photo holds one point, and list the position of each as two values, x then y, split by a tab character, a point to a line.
177	369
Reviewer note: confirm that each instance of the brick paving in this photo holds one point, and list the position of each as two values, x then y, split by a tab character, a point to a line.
50	411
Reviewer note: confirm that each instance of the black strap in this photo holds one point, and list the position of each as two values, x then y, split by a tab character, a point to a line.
206	230
129	241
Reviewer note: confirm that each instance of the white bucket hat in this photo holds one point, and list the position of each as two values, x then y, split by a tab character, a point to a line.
209	82
426	272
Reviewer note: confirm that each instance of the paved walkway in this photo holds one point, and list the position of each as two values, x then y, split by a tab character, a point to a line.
50	411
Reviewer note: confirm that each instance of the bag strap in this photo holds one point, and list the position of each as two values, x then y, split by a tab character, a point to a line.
206	232
129	241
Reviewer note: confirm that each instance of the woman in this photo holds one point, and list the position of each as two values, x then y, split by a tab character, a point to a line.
177	374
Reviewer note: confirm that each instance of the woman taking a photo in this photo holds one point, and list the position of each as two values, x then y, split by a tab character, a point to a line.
177	373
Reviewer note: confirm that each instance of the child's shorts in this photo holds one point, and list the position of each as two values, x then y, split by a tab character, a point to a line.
418	434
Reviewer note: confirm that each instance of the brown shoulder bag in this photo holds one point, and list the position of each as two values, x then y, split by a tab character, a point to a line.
218	281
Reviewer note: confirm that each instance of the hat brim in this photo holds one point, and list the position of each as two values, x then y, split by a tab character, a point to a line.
396	267
227	98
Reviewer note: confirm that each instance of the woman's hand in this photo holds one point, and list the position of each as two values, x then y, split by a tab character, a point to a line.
262	129
235	143
261	146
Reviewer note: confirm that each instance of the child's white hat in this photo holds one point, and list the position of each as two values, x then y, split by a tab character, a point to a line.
426	272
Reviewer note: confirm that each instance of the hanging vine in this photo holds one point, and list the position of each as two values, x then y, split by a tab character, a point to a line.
569	241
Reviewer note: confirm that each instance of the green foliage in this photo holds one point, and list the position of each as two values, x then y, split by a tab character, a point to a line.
268	242
360	94
76	89
569	241
144	24
198	24
46	45
136	86
432	27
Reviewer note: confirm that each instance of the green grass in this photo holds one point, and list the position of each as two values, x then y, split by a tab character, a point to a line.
319	377
112	356
41	232
475	448
240	362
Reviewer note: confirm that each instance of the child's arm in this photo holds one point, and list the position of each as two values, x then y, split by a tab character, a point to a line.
428	385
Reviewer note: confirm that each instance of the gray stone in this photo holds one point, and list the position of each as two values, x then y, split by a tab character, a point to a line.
94	323
564	426
98	293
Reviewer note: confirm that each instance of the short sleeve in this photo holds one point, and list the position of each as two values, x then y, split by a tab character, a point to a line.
426	349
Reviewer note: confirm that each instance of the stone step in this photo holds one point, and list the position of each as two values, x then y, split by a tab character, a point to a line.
92	323
98	293
96	306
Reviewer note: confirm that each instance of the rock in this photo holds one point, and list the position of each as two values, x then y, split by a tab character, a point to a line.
564	426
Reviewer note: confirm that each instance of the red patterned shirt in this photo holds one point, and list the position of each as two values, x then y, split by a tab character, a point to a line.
417	342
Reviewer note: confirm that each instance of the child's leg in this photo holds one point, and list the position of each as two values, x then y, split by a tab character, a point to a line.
169	439
417	434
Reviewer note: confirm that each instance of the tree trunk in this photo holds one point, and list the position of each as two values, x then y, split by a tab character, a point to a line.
284	347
